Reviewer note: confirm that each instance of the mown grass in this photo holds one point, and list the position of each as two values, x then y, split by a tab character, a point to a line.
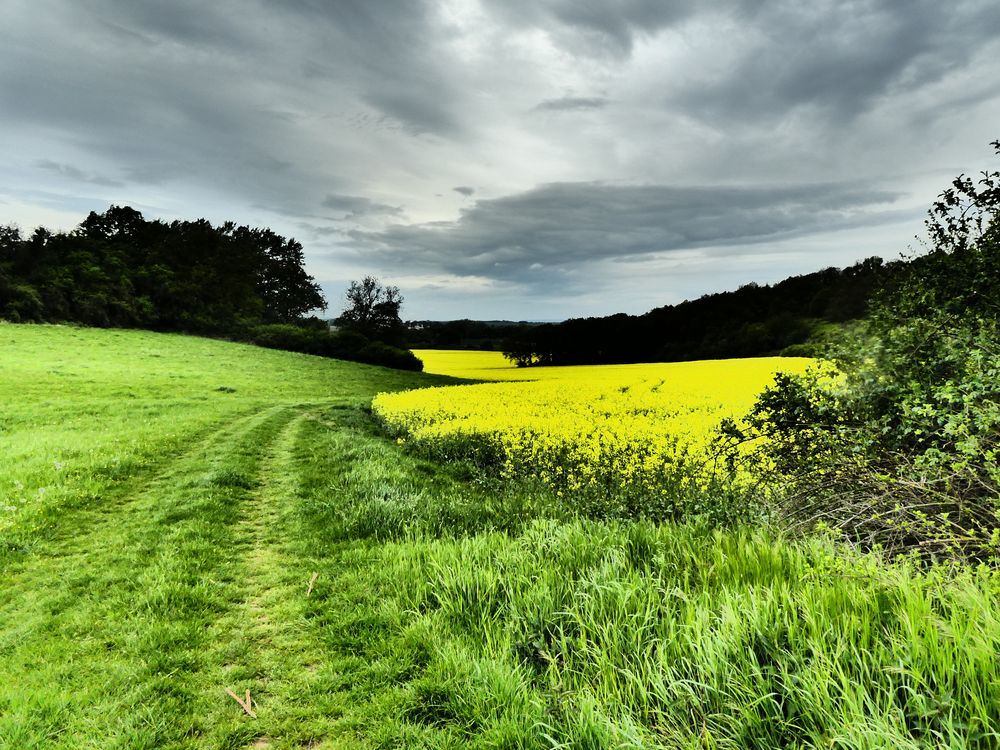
86	409
445	612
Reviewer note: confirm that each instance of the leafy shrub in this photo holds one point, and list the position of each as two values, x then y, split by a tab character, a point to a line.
346	344
20	302
809	349
285	336
349	345
377	353
900	451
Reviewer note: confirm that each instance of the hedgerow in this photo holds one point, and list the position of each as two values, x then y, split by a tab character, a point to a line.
900	452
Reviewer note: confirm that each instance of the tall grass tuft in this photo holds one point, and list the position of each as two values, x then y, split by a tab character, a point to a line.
643	636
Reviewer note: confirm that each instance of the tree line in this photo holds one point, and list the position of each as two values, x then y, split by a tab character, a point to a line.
488	335
755	320
118	269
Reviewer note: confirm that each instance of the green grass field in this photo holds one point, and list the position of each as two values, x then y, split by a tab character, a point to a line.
180	516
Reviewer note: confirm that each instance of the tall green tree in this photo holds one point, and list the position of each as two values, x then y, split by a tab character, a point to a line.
285	288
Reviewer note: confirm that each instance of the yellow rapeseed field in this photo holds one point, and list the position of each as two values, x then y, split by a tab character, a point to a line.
599	427
479	365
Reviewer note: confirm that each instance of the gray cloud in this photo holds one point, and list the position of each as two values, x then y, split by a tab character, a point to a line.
611	27
417	111
580	114
73	173
356	206
571	103
838	58
564	227
186	93
386	50
185	22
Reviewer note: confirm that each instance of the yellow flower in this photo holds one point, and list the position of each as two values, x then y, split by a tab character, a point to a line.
570	427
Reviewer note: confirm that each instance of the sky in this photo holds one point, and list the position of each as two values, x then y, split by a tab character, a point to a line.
507	159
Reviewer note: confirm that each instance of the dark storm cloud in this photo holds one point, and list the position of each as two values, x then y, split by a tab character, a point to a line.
387	51
190	23
418	112
156	110
578	111
837	58
357	206
566	226
194	93
571	103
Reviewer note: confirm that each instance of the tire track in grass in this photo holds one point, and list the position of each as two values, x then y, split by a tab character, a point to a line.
96	494
265	645
360	655
109	645
305	693
130	634
324	670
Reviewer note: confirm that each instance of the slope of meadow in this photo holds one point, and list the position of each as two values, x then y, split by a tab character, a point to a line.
89	403
182	516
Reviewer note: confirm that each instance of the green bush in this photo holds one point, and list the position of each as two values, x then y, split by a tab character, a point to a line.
809	349
349	345
377	353
20	302
900	451
285	336
346	344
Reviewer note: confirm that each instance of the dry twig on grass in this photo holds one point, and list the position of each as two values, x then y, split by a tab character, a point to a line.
246	705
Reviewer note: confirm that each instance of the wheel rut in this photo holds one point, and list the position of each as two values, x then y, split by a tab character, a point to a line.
136	594
265	642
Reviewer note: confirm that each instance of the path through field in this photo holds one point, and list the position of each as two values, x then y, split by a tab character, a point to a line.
157	546
136	613
133	615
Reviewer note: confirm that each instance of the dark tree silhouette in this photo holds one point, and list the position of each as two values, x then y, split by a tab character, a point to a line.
751	321
118	269
249	284
373	310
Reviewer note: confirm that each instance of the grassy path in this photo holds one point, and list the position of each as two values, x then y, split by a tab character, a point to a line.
149	541
112	643
265	643
124	626
127	629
